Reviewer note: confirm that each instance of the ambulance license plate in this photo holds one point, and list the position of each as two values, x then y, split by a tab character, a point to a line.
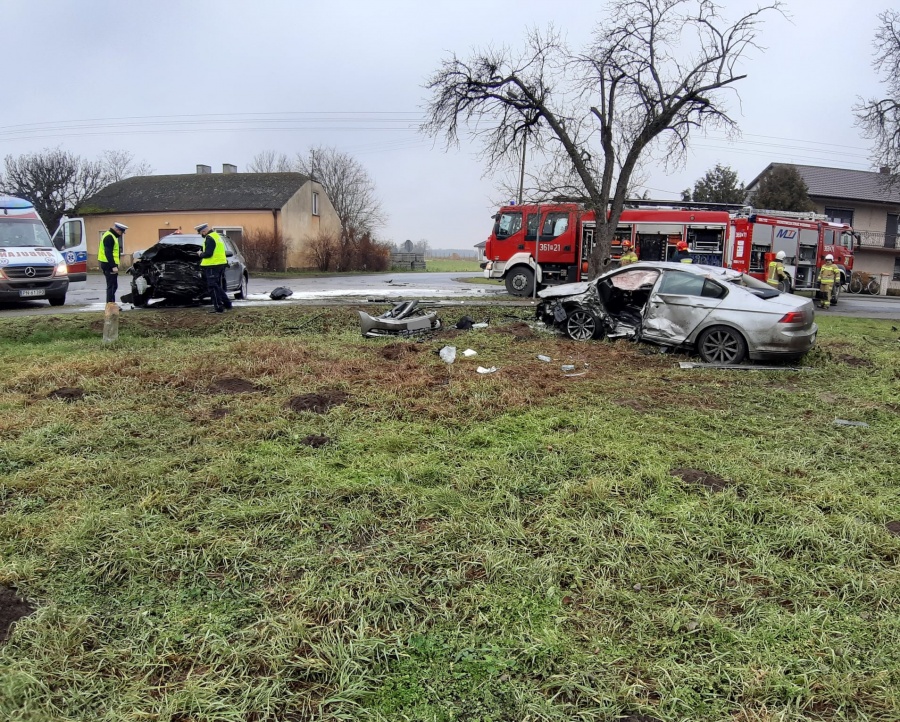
31	292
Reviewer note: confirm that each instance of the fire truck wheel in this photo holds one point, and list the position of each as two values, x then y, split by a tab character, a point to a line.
721	345
520	281
582	325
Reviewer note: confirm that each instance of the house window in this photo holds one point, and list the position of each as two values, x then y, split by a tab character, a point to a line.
839	215
897	268
236	234
315	203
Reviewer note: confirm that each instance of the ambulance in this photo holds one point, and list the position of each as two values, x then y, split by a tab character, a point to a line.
34	266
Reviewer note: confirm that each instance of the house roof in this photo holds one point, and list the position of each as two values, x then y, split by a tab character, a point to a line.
196	192
841	183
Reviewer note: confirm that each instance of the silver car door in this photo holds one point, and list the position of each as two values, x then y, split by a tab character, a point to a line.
680	302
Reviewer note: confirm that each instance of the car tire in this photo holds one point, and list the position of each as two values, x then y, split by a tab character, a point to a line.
835	294
582	325
57	300
241	293
520	281
785	286
721	345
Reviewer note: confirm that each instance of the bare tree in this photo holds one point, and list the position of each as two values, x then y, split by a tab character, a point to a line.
350	189
270	161
880	119
321	251
120	164
55	181
654	71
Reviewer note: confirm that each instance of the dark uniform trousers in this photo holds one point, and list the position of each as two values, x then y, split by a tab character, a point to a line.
215	283
112	281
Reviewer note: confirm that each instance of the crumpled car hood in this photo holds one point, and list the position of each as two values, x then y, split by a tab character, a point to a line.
171	270
566	289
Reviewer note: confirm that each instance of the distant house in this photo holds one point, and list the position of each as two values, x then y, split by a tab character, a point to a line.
232	203
864	200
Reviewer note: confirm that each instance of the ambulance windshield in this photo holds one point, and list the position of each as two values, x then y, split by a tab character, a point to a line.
22	232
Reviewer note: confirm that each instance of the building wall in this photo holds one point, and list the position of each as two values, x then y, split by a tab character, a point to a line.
299	225
866	217
143	228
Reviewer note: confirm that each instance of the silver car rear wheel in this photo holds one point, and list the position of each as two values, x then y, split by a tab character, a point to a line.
721	345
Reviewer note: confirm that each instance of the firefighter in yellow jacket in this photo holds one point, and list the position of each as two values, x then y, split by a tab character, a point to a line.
829	274
628	255
776	274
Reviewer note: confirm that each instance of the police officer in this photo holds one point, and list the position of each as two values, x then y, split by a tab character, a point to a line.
108	253
775	274
628	255
681	253
213	263
829	274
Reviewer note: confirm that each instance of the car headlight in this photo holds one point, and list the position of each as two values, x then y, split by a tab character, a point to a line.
61	269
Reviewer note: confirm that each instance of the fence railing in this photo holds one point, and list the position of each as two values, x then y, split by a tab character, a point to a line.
877	239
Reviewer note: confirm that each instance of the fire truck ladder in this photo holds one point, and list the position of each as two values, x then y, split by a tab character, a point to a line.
799	215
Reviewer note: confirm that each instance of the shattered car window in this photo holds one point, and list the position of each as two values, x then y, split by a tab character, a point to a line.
633	280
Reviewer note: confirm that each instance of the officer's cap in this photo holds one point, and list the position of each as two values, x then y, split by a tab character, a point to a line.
202	227
120	226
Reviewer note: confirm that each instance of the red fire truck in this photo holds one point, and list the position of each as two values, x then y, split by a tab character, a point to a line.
805	238
551	243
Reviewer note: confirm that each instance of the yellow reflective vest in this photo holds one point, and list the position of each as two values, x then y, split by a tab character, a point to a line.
218	257
829	273
776	272
101	252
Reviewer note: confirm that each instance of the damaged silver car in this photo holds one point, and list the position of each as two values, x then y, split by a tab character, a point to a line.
171	270
724	315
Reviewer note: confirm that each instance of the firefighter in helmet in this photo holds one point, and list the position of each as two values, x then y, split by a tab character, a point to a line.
776	274
681	253
628	255
829	275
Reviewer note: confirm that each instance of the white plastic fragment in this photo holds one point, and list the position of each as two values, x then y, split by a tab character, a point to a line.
479	325
448	354
545	359
845	422
483	370
567	367
470	352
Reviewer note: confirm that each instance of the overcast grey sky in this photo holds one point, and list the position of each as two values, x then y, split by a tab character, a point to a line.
287	74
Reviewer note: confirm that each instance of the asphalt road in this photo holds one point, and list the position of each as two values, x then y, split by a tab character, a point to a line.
384	287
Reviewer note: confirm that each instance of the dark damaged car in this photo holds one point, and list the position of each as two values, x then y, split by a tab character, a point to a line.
171	270
723	315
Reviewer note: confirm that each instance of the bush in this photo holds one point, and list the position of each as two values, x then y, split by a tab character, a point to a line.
347	253
263	250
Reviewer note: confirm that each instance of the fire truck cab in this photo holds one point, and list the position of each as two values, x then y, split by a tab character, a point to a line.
805	238
534	246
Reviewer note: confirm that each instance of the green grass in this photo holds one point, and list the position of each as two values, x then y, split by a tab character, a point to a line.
449	265
493	547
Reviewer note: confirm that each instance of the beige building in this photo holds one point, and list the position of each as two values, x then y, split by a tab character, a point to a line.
865	201
234	203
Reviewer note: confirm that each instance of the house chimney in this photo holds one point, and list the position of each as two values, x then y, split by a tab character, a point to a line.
884	170
203	169
229	168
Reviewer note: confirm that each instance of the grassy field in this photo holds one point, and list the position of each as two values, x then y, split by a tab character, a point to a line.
264	516
448	265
